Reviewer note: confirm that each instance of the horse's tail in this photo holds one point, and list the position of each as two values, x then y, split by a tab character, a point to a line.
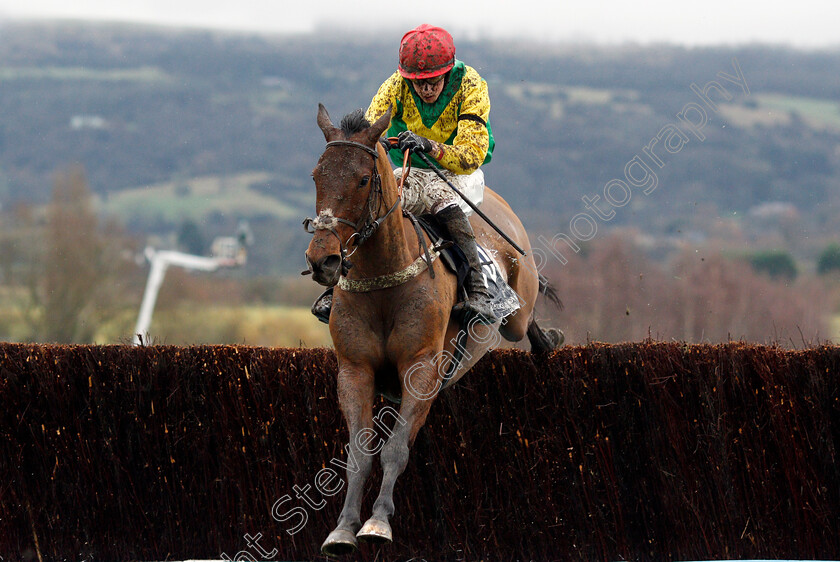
550	292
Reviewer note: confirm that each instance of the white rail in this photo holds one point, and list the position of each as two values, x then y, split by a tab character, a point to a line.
161	260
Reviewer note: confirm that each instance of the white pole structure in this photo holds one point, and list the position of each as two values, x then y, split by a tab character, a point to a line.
160	263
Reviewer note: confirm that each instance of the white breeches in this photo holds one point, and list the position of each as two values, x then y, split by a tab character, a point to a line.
425	192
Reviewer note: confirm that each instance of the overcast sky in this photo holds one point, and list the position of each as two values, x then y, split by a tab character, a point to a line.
802	23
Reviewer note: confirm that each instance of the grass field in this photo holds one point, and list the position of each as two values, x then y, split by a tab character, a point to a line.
818	113
268	326
139	74
197	324
835	329
196	198
777	109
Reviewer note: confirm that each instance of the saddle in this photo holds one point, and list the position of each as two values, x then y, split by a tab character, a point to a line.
450	253
505	299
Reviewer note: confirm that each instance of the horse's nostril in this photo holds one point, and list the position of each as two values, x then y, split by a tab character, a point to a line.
330	264
326	270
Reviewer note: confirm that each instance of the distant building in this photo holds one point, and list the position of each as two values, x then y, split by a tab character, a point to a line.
773	219
79	122
774	211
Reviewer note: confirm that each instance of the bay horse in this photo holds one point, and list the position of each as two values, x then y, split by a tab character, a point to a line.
391	321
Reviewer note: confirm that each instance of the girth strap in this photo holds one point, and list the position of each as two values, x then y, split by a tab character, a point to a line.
421	239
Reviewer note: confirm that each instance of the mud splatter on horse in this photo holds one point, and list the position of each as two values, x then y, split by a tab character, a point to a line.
391	320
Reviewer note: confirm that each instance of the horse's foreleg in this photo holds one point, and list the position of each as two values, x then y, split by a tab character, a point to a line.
356	393
417	398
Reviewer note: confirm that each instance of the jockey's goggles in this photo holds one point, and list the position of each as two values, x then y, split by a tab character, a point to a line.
433	81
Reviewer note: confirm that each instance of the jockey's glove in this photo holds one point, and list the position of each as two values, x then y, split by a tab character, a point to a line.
411	141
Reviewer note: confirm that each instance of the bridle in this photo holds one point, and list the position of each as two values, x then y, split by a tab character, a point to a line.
363	228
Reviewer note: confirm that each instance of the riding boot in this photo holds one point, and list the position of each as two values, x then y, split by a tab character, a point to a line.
479	301
323	305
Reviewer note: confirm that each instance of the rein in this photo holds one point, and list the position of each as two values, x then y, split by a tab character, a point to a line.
366	227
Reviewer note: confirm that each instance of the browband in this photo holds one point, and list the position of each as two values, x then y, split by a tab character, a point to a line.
364	147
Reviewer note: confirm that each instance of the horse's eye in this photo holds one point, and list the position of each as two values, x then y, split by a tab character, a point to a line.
364	181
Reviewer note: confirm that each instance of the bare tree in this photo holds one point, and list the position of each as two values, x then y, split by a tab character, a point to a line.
615	293
73	265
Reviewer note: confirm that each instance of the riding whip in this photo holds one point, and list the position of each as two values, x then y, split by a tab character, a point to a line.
474	207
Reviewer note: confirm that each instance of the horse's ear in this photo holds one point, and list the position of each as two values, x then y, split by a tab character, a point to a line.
330	131
379	127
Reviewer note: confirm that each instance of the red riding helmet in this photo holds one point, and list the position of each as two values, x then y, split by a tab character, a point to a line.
425	52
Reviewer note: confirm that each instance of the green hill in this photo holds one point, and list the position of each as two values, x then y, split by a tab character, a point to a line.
141	107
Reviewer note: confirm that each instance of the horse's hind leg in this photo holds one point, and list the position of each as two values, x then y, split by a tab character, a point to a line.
356	393
525	283
543	341
528	283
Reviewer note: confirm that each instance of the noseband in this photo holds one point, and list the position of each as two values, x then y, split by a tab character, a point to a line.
366	226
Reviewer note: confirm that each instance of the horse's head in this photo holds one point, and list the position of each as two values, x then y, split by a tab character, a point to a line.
348	193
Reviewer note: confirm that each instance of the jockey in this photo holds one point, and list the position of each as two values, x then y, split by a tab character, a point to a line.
440	107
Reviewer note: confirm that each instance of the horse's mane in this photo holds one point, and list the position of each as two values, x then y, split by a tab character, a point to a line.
354	122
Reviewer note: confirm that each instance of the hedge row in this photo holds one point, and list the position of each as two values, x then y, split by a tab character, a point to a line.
636	451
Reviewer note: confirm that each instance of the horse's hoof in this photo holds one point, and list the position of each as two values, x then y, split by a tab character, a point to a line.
375	531
556	336
339	543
